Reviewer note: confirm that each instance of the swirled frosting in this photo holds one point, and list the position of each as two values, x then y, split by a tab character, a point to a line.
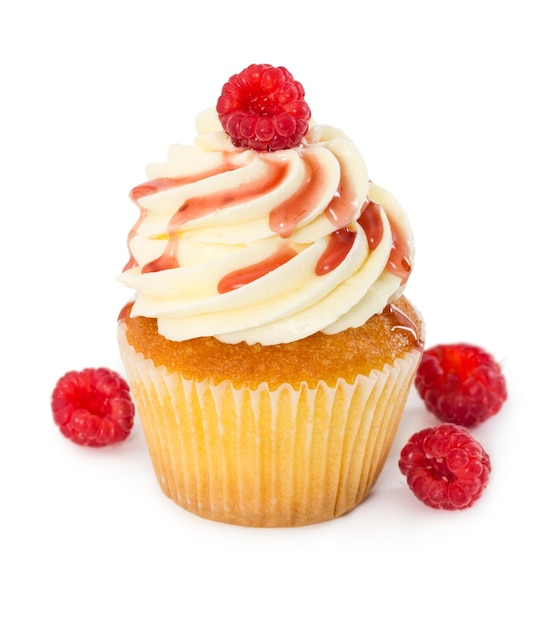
264	247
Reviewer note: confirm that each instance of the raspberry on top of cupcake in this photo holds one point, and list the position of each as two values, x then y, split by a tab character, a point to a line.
268	229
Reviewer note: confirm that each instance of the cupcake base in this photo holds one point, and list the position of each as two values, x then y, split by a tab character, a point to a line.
267	456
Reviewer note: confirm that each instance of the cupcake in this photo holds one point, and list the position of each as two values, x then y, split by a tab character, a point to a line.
269	347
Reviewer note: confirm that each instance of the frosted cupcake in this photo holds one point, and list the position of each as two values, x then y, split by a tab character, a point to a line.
269	348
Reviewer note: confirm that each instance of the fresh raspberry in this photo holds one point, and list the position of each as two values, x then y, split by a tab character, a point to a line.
93	407
445	467
461	384
262	108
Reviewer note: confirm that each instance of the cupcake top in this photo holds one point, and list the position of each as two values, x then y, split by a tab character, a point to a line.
268	229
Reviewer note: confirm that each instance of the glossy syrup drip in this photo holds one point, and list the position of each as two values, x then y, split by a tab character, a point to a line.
404	323
399	262
167	261
343	207
399	258
284	218
162	184
197	207
370	221
339	245
157	185
246	275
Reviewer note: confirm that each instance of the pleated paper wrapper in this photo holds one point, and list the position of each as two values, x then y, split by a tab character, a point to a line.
267	457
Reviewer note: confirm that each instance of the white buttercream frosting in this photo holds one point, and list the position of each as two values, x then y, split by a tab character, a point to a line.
264	247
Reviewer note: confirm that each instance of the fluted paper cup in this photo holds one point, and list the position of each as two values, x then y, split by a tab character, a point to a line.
267	457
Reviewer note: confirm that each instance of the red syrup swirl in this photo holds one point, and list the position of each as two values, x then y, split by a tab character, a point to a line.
405	324
370	221
284	218
342	208
399	258
197	207
339	245
246	275
154	186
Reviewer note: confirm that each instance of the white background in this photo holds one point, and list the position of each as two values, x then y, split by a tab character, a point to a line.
455	108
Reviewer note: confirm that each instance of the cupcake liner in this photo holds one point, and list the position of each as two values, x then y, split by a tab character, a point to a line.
267	457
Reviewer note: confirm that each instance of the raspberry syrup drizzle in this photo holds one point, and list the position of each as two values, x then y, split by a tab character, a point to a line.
342	208
154	186
399	258
196	207
246	275
404	324
339	245
285	218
